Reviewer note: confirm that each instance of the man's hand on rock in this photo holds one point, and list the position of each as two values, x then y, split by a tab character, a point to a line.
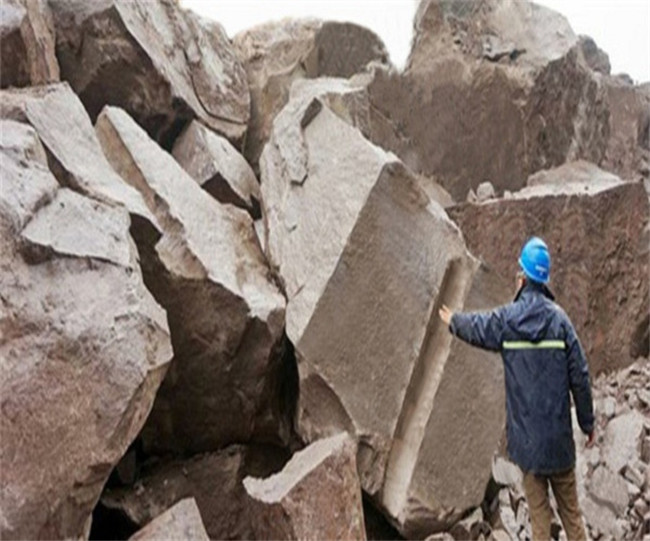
591	439
445	314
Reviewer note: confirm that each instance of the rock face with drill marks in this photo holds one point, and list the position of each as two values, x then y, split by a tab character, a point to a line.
27	44
84	345
276	54
164	65
597	231
501	91
226	316
316	495
374	242
217	166
182	521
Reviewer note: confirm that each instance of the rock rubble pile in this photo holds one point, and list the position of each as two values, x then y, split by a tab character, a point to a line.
222	263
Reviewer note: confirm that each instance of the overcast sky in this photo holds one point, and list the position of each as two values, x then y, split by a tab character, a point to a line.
620	27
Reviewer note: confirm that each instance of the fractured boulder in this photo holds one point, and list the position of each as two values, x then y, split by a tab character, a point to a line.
352	236
217	166
278	53
182	521
596	231
316	495
214	480
501	91
84	348
164	65
226	316
27	53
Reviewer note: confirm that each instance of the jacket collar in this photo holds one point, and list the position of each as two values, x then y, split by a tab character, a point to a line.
531	289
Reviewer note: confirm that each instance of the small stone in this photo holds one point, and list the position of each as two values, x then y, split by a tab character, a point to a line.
485	191
641	507
635	475
609	407
633	491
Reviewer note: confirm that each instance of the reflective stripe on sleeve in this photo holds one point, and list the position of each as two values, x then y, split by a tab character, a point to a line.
544	344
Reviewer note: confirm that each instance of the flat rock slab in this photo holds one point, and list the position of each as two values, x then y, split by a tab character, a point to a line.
74	153
27	44
217	166
180	522
316	495
164	65
597	232
502	91
226	316
352	236
214	480
277	54
84	350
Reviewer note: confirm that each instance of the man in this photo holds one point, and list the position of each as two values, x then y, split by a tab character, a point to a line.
543	361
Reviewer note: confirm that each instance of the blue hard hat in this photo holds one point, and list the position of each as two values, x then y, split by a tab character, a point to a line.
535	260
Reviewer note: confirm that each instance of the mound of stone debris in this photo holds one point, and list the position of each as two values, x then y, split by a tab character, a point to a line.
222	264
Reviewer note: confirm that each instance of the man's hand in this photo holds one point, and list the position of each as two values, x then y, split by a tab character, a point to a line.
445	314
591	439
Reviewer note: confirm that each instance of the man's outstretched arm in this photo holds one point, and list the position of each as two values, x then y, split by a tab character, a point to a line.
481	329
579	382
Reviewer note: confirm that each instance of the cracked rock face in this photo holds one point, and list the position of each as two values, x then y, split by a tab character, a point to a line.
352	235
27	44
597	231
217	166
487	77
84	350
279	53
226	316
181	521
316	495
164	65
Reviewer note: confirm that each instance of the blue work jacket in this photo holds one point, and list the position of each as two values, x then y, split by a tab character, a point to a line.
543	361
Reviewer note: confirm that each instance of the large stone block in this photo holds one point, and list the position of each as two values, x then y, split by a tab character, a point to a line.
366	258
84	345
317	495
226	316
277	54
217	166
164	65
499	89
598	237
27	44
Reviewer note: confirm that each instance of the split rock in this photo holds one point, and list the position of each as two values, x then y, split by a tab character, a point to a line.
27	44
278	53
84	350
226	316
595	231
217	166
352	235
316	495
163	64
180	522
500	119
214	480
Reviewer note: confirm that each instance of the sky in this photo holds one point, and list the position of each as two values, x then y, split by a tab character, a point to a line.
620	27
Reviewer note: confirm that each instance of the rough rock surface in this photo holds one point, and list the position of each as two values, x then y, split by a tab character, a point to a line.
501	91
217	166
214	480
597	232
162	64
316	495
596	58
351	238
84	345
180	522
276	54
628	146
74	153
27	52
226	317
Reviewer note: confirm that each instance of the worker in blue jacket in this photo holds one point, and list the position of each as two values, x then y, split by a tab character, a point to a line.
544	363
